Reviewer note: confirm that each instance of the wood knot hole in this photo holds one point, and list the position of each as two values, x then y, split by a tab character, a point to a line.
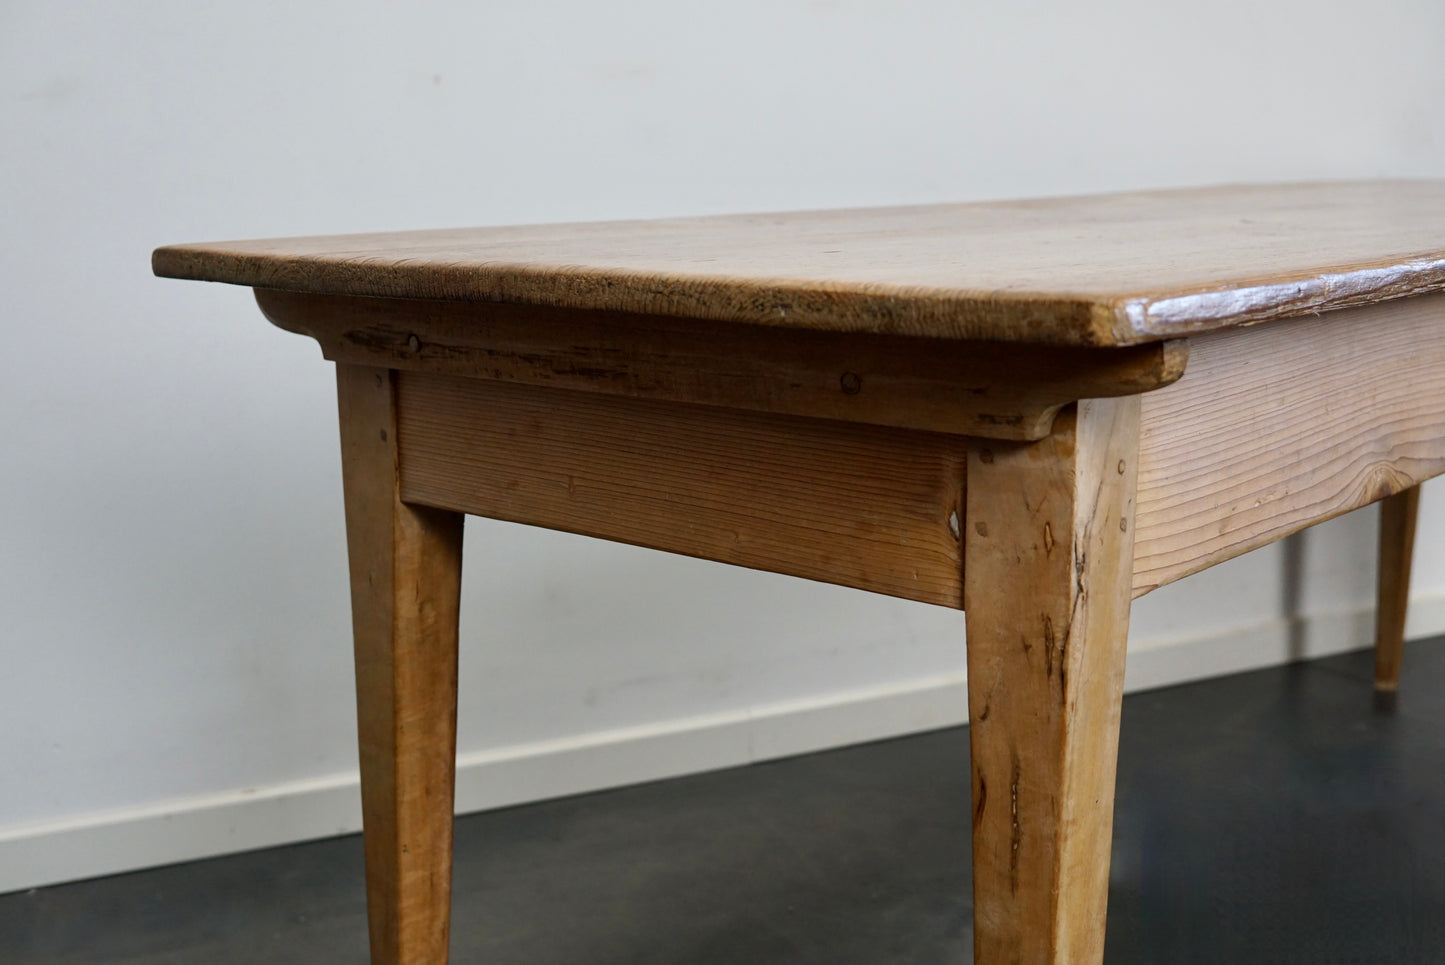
953	524
852	383
413	344
1121	467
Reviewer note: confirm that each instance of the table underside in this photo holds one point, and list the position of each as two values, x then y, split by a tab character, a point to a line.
828	458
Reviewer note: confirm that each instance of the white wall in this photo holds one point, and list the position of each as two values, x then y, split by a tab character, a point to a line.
174	655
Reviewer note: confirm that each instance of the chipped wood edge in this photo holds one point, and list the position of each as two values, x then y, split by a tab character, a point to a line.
1145	318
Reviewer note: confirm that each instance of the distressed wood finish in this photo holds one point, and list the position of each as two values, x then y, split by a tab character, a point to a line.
405	589
1104	270
859	505
1278	427
1397	550
1048	555
808	392
998	390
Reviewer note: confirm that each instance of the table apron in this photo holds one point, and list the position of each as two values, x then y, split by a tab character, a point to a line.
1271	429
860	505
1276	427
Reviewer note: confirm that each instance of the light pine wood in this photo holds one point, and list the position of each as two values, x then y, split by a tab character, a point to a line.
992	389
1397	549
405	587
859	505
809	393
1102	270
1048	553
1278	427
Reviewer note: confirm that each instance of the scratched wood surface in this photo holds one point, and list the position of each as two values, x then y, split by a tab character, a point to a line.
999	390
1275	428
865	506
1048	539
1100	270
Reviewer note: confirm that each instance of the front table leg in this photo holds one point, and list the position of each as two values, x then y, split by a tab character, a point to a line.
1048	560
406	566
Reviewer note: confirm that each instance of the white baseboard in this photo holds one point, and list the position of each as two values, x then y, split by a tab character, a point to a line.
186	829
1268	644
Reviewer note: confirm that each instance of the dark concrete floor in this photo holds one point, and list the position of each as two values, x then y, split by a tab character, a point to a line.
1269	817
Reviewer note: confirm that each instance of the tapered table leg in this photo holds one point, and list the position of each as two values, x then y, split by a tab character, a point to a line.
1397	547
405	584
1048	557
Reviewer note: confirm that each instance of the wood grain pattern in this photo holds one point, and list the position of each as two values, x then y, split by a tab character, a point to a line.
1102	270
1278	427
840	502
1397	549
405	596
992	389
1047	561
787	392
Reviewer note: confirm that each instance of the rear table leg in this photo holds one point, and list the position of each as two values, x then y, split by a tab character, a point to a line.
1397	547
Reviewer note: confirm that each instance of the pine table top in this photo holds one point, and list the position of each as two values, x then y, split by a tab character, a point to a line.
1114	269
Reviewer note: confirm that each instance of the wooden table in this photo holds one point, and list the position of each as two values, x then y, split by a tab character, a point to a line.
1036	411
